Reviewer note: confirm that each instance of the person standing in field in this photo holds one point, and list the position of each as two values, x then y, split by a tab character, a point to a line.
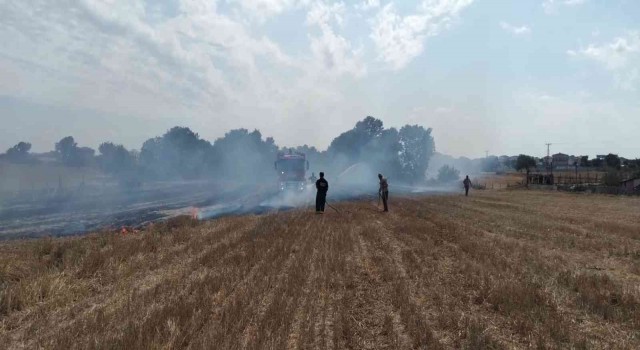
321	196
383	191
467	184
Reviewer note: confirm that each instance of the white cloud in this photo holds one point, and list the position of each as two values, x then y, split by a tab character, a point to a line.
333	53
263	9
552	6
399	39
616	54
215	65
515	30
200	61
621	56
197	6
368	5
336	55
196	61
323	14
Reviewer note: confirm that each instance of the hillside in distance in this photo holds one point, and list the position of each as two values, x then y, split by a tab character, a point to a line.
499	269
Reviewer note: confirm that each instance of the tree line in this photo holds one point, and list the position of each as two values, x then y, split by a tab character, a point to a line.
243	155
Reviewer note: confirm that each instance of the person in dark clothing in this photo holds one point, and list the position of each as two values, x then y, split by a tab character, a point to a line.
321	196
467	184
313	177
383	191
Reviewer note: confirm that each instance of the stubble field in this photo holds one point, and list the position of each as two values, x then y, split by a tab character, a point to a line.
499	269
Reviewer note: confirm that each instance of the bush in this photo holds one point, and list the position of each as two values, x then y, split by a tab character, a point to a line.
448	174
612	177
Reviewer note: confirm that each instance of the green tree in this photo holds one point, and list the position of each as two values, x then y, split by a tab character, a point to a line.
70	154
381	153
83	156
351	144
596	162
179	153
612	161
402	155
115	159
370	126
584	161
448	174
243	156
66	149
416	149
19	153
525	162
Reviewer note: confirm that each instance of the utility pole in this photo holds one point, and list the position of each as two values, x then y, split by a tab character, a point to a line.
486	154
549	162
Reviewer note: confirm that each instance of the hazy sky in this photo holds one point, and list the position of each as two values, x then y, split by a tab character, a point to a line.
496	75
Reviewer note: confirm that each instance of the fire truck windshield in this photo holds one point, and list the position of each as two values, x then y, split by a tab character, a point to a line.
290	165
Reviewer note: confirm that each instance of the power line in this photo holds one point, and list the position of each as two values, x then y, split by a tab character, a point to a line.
549	159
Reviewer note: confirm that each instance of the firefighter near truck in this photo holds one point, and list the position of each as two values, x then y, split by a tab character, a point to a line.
291	168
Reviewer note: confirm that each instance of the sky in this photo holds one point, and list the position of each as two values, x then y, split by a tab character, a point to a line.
503	77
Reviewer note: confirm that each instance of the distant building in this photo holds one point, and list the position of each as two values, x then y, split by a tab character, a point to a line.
560	160
631	185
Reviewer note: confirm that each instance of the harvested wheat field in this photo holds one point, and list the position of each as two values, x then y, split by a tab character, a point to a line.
500	269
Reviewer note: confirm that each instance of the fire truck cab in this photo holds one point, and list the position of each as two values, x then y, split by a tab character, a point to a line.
291	168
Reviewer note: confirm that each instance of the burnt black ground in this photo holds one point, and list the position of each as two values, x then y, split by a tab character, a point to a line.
114	208
93	210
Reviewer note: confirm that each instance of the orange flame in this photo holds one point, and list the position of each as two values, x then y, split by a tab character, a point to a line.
126	230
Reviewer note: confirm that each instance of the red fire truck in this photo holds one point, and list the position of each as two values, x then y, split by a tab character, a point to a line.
291	167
